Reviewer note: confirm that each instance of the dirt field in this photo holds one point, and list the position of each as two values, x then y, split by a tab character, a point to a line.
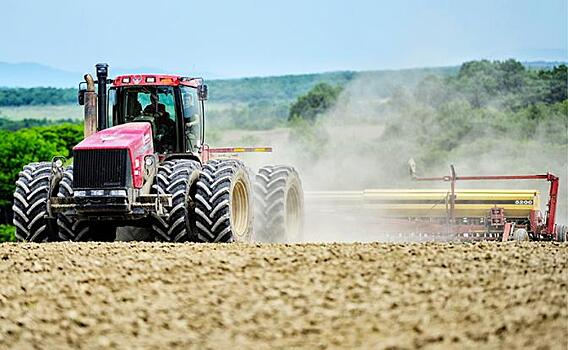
143	295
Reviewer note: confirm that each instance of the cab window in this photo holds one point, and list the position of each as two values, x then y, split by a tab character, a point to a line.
192	117
152	104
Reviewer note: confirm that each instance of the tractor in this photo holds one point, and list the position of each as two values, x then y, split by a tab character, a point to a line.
143	166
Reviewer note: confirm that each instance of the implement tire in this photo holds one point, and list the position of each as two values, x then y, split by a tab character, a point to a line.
521	235
279	199
561	231
177	178
224	210
71	229
31	198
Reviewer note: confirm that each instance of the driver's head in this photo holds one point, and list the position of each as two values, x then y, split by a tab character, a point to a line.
136	108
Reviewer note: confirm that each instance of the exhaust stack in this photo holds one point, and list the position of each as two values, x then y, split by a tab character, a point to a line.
102	75
90	107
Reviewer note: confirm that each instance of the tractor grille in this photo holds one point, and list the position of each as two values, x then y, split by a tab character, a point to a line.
100	168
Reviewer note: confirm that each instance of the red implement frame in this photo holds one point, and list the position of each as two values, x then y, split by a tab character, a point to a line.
207	151
547	229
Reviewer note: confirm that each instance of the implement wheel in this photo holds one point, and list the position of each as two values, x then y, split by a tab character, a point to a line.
279	199
521	235
561	231
224	202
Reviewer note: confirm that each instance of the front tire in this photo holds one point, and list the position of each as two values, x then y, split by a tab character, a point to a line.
176	177
224	200
31	198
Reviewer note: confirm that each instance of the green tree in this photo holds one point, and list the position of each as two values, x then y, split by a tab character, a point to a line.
316	101
32	145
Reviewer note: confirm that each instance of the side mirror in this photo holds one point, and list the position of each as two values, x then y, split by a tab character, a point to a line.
202	92
81	97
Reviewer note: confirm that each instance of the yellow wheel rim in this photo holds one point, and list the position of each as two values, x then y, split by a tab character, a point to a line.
293	213
240	209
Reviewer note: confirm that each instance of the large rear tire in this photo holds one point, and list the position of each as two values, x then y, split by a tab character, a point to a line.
224	210
31	198
71	229
279	199
177	178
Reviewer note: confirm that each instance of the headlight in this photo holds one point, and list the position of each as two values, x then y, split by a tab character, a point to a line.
149	161
118	193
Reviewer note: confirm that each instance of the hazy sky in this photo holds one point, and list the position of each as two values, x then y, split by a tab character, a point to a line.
245	37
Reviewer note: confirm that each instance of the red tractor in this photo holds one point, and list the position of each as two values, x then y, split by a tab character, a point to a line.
144	167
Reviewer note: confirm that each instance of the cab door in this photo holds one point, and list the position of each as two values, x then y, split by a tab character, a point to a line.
192	119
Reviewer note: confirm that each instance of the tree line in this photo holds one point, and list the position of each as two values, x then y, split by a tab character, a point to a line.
496	114
36	96
241	90
14	125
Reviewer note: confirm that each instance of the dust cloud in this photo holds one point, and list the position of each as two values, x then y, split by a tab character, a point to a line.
350	149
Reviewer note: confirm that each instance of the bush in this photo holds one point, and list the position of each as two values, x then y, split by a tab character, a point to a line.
7	233
32	145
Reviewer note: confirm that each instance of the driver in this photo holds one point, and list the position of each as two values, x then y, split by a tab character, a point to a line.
155	106
157	109
165	126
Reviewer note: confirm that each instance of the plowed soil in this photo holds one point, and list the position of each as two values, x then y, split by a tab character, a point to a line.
147	295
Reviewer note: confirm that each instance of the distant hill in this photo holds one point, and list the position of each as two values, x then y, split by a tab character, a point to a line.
288	87
276	89
34	75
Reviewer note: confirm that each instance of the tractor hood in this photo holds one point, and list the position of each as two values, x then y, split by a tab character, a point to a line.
135	137
132	136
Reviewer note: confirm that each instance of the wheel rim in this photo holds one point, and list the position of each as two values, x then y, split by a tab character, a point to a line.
240	209
293	214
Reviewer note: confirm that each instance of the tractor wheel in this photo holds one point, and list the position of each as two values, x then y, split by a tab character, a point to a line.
71	229
224	200
177	177
279	204
30	204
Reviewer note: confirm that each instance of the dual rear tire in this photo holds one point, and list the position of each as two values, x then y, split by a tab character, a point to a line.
279	201
223	206
224	202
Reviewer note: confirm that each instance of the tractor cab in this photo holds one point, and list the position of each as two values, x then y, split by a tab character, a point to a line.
173	105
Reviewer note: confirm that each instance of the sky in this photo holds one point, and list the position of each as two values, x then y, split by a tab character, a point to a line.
225	38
